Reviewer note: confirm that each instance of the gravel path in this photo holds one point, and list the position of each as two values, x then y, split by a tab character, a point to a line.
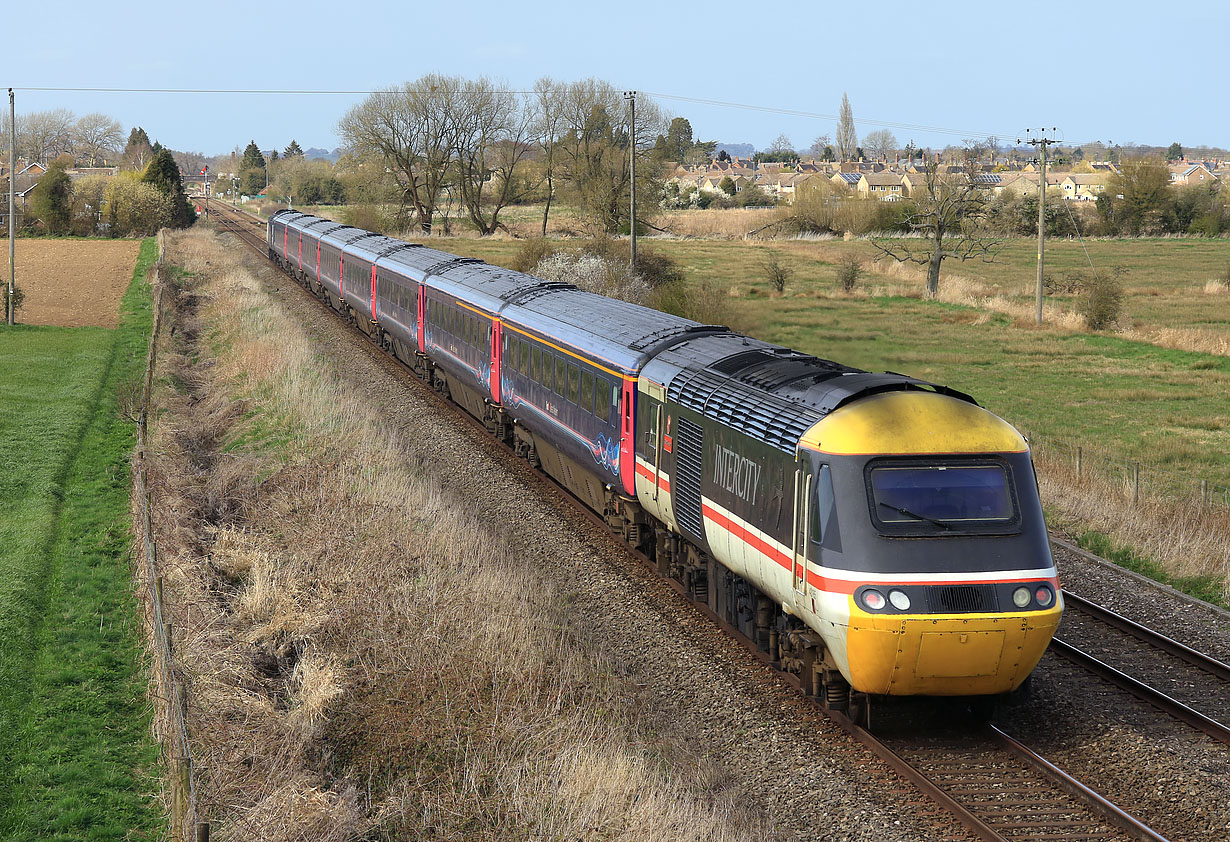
782	756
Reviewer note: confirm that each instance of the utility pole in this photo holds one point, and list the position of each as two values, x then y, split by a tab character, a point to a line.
12	206
1041	142
631	97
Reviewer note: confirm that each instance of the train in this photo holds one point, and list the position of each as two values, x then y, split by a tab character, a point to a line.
873	534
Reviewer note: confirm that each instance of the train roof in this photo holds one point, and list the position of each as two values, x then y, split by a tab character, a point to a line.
771	392
623	334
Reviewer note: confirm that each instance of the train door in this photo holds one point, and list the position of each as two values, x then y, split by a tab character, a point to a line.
803	490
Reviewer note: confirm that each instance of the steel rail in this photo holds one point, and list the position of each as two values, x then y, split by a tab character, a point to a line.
1147	635
1138	688
1125	822
963	814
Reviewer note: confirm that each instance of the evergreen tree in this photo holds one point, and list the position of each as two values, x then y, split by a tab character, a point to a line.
252	172
139	150
293	150
51	200
163	173
1174	152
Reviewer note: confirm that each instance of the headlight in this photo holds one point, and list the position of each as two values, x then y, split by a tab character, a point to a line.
1020	597
899	599
873	599
1044	595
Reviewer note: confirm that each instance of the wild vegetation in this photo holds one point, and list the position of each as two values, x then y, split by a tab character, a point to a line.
75	753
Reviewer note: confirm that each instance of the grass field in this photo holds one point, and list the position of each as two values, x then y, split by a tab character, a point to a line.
1127	397
76	760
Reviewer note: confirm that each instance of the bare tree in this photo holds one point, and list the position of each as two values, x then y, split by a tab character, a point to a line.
42	135
548	110
818	145
96	135
411	127
847	140
880	142
491	138
950	215
594	145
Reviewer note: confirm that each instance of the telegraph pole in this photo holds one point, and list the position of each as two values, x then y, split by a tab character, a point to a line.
12	206
630	96
1041	142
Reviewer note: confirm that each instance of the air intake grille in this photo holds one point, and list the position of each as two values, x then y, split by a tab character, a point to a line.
961	599
685	484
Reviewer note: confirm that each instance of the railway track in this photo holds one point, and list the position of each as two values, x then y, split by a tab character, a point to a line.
994	786
1176	679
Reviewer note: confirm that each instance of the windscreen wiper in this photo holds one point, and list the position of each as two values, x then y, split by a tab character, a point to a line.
914	515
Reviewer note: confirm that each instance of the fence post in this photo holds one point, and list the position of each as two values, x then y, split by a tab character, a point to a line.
1080	462
1135	482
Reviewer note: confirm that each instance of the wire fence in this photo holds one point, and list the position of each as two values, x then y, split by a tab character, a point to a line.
1138	480
171	696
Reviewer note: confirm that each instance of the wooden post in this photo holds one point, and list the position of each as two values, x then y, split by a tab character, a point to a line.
1080	462
1135	482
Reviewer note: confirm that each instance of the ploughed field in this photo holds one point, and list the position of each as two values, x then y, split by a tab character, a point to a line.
73	283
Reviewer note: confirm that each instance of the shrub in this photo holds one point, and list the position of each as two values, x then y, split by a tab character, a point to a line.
51	201
137	208
19	298
1101	300
776	272
849	270
367	217
656	268
593	273
530	253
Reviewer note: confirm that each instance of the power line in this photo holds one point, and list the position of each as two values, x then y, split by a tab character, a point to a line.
766	109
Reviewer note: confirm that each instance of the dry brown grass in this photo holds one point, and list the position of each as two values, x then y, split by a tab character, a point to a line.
365	656
1186	540
730	224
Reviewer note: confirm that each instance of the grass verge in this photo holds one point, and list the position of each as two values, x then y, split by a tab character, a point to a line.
75	753
367	656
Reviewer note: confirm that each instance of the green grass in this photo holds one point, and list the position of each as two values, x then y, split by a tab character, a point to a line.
76	759
1209	588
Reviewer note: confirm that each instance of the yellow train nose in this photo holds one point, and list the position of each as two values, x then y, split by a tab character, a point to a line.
946	655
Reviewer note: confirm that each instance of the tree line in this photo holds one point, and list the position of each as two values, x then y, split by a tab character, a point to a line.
42	136
145	195
446	144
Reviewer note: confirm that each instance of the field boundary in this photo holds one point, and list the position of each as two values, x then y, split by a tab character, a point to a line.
171	694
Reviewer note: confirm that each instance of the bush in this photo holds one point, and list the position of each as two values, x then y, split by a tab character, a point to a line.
530	253
592	273
51	201
777	273
19	298
1101	300
656	268
849	270
367	217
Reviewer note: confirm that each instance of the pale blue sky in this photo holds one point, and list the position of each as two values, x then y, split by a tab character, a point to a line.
1124	73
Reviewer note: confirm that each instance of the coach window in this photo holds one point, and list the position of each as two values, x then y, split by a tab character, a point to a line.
525	357
587	391
602	409
574	383
536	364
561	379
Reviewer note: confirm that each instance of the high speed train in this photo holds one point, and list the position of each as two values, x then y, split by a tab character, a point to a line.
875	534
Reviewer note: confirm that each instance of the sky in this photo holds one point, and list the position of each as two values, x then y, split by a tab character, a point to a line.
934	73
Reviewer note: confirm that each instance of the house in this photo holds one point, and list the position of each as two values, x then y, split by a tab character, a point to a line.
1192	174
711	182
879	185
1083	186
849	180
